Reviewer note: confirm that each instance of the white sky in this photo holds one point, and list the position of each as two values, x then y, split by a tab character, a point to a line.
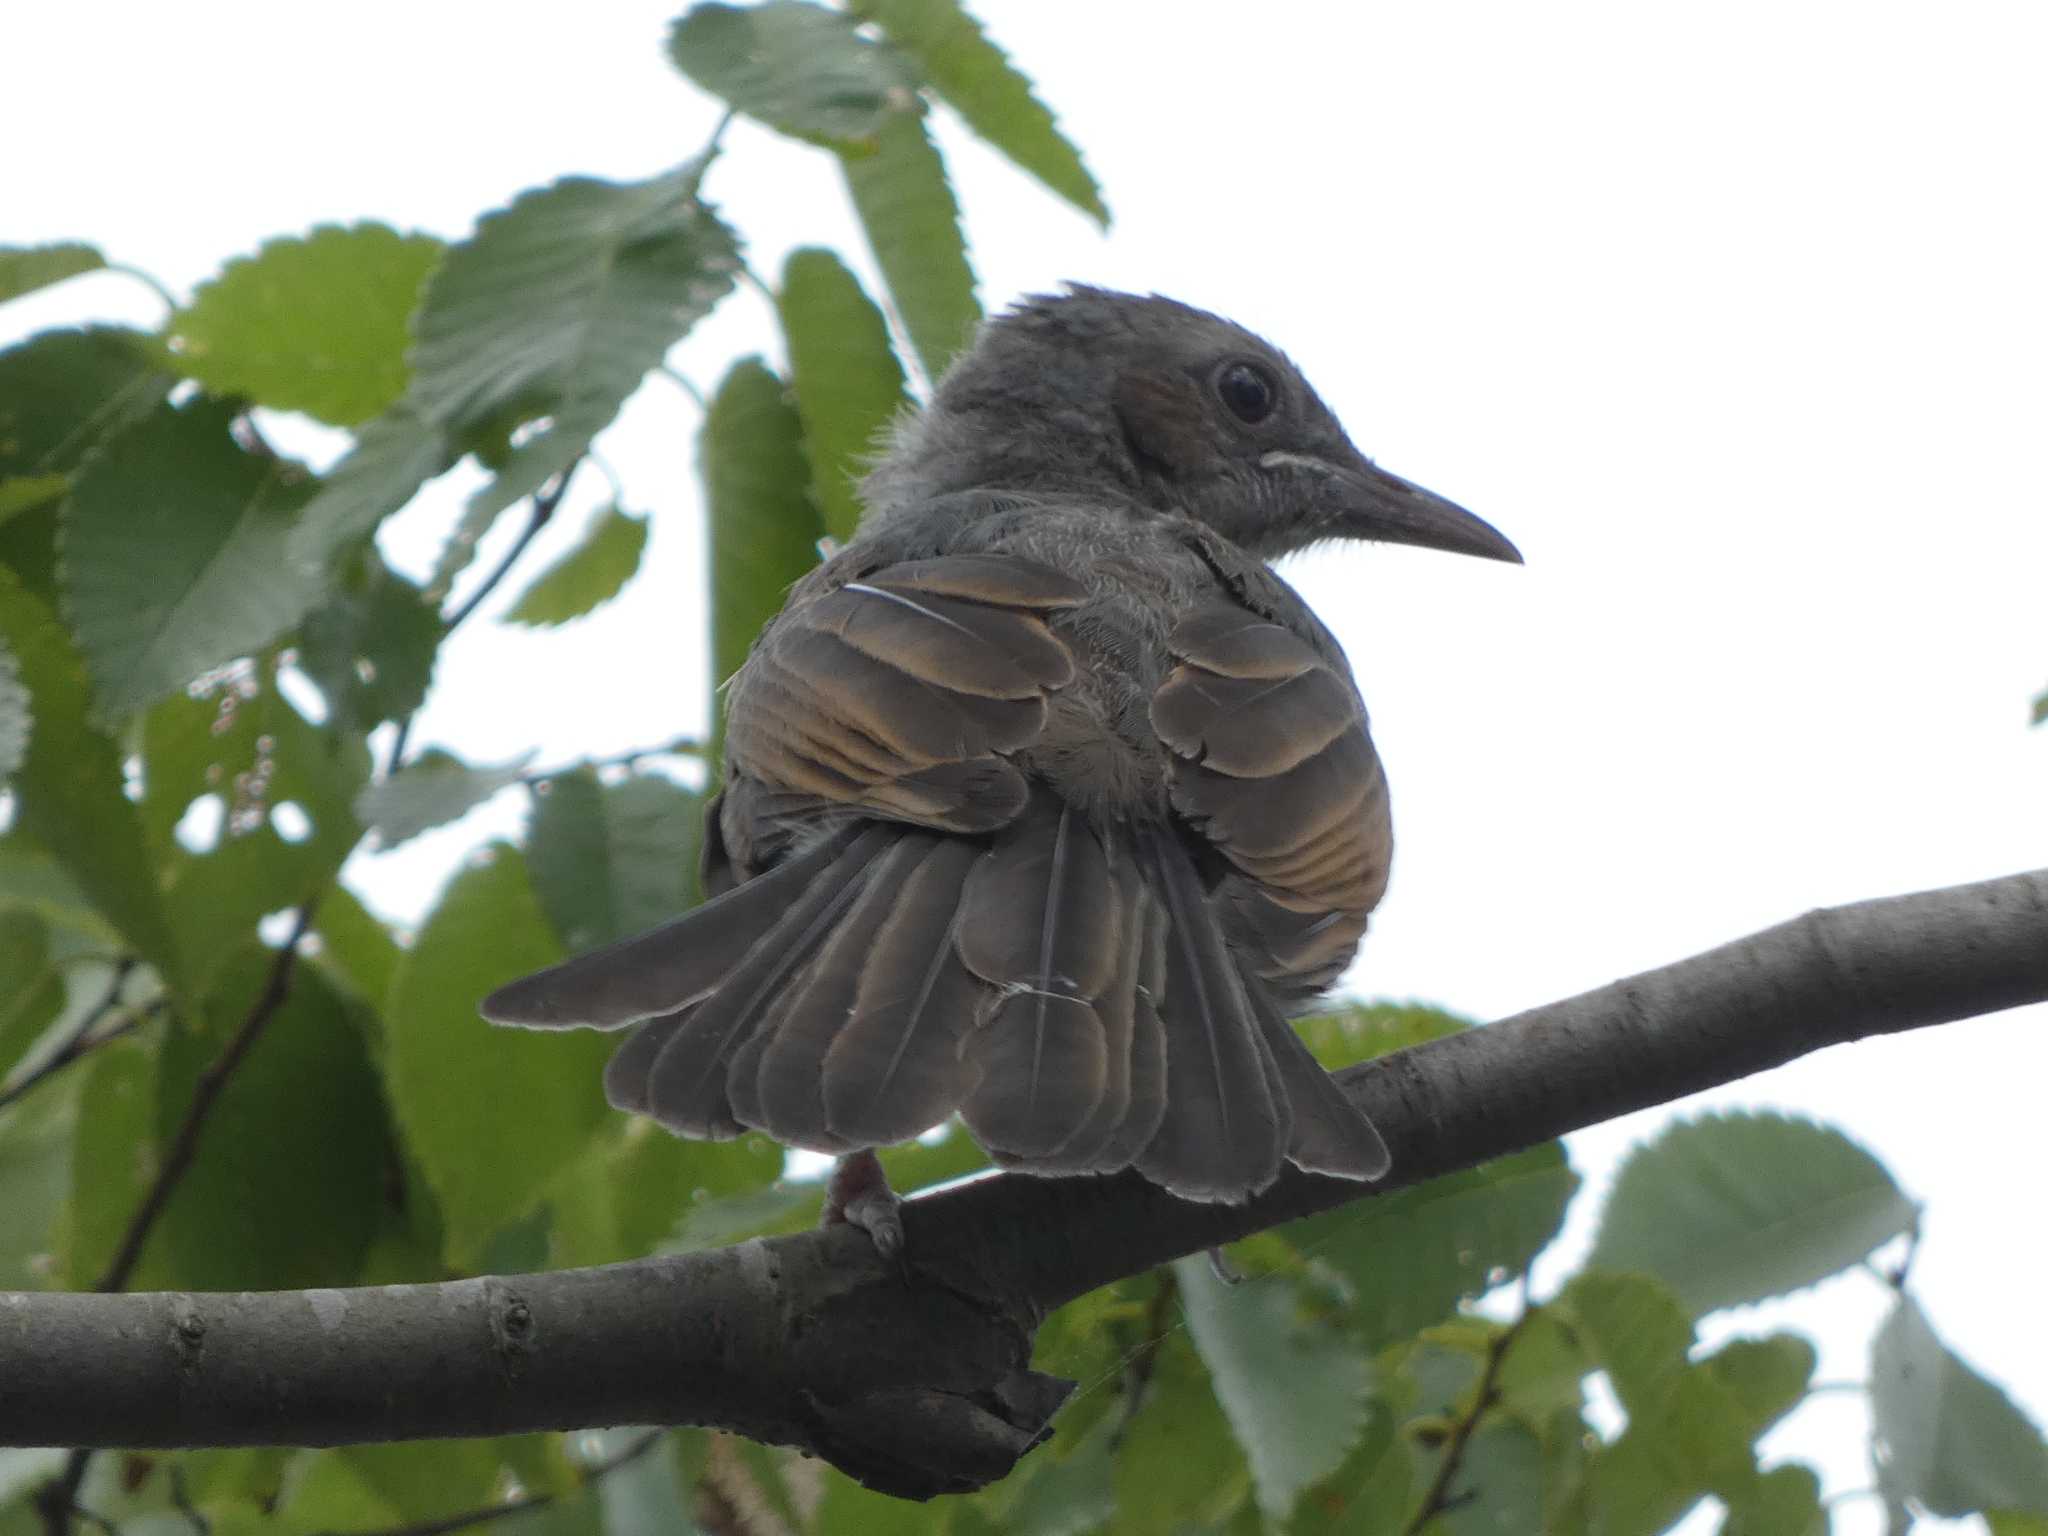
1732	316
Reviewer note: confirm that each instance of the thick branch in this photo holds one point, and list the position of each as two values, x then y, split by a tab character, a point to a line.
918	1383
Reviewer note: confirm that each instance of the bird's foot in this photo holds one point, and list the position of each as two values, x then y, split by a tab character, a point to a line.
858	1194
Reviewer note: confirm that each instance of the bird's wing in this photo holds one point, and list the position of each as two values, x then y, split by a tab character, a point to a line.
898	694
1273	767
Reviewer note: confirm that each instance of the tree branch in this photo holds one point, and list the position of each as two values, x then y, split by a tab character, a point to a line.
918	1382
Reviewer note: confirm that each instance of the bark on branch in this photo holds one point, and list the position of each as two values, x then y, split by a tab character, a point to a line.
919	1382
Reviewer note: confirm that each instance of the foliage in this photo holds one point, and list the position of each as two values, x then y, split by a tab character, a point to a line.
198	638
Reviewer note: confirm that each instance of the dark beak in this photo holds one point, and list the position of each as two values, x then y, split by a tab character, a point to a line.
1372	504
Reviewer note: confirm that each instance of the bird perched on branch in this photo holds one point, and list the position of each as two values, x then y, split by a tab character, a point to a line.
1045	800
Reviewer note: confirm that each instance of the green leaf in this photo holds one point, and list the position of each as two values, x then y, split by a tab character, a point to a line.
799	68
1784	1501
1952	1441
1295	1393
393	457
285	790
288	1183
113	1157
848	384
313	323
589	575
354	946
25	268
1410	1257
2040	709
173	554
2007	1522
27	493
764	528
16	718
69	789
31	988
1689	1431
1370	1492
1362	1031
63	392
559	305
847	1509
370	646
1767	1376
636	1185
987	90
427	1480
527	1100
912	222
1179	1464
432	790
36	1140
610	861
1498	1489
1730	1209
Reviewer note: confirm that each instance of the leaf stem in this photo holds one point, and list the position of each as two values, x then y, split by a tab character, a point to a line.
81	1041
1439	1499
488	1512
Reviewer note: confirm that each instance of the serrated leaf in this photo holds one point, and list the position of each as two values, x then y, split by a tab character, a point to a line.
847	382
1784	1501
588	576
25	268
1731	1209
635	1187
989	92
370	646
558	306
1767	1376
1294	1392
313	323
610	861
912	223
393	456
432	790
528	1100
63	392
287	1186
69	788
764	529
1411	1256
285	820
799	68
1952	1440
173	554
1179	1464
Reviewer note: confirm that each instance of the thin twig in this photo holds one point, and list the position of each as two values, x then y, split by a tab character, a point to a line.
77	1043
498	1511
540	510
1439	1498
682	746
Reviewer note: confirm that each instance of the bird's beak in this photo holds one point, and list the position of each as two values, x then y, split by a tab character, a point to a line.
1366	502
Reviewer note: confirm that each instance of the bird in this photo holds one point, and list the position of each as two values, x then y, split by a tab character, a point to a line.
1045	800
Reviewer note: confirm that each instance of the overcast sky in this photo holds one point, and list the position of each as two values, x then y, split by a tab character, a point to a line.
1731	315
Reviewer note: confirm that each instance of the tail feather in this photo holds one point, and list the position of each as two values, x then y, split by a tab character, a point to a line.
687	1082
898	1066
666	968
1069	992
1223	1134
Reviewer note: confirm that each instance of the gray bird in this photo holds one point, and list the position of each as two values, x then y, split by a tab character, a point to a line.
1045	800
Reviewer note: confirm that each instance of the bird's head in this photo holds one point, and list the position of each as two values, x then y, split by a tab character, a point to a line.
1180	409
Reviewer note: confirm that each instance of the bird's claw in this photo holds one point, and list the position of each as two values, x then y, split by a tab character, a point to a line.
859	1195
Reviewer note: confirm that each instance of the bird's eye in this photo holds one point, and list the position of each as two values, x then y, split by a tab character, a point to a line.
1248	390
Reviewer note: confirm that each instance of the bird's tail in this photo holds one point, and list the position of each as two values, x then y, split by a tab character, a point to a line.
1069	994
